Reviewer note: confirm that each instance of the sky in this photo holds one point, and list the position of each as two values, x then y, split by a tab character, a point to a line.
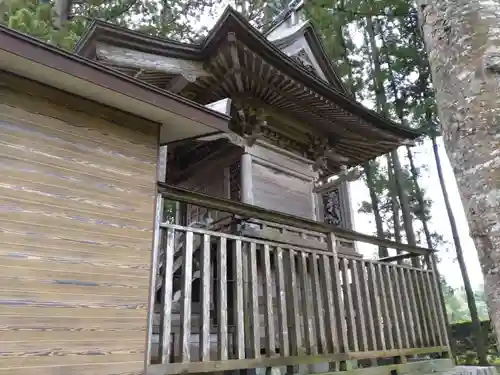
424	156
448	267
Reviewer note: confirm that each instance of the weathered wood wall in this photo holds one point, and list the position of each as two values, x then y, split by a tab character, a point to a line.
215	183
213	179
279	191
281	181
76	201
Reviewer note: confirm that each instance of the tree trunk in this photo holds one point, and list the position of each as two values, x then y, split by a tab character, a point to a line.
405	205
462	38
380	97
420	198
382	250
471	301
398	174
394	201
413	169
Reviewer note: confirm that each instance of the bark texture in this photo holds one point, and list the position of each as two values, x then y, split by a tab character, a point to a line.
463	42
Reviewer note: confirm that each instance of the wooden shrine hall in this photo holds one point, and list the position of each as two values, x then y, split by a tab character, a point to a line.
255	262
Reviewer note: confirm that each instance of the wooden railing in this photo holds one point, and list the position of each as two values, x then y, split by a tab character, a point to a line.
259	304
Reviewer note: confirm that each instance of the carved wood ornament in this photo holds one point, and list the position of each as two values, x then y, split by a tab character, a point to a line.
332	209
303	59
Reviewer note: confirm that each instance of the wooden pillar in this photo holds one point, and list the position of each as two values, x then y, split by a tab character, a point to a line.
162	164
246	178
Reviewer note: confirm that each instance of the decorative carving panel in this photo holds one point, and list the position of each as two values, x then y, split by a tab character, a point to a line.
332	210
303	59
335	206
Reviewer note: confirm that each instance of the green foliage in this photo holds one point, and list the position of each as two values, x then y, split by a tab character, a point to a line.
172	18
35	18
403	82
456	303
463	343
169	208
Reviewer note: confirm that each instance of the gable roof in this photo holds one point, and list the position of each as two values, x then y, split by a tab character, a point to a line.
234	49
310	34
230	22
33	59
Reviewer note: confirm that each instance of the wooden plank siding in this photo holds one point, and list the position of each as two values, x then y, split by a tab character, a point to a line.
76	222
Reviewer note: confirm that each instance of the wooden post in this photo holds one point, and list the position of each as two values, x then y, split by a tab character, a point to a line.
246	179
162	164
445	325
342	341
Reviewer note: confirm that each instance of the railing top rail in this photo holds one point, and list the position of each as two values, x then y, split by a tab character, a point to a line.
250	211
216	234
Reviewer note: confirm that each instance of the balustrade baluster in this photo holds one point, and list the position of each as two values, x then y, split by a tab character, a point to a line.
186	288
318	305
436	330
269	307
377	313
388	323
393	309
396	282
222	321
360	315
166	300
307	301
253	294
367	291
239	317
337	298
282	307
406	307
206	299
349	299
293	305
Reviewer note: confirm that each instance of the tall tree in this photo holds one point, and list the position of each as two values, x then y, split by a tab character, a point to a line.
400	112
394	157
469	293
340	20
462	39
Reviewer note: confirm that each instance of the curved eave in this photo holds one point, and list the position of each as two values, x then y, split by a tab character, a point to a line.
105	32
233	22
240	72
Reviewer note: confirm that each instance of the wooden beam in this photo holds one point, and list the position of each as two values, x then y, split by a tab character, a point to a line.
232	137
177	84
350	175
225	153
396	257
254	212
283	118
278	361
190	70
297	130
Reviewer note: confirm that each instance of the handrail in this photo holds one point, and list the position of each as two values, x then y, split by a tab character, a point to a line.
226	205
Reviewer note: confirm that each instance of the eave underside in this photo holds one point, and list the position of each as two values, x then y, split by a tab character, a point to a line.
294	110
